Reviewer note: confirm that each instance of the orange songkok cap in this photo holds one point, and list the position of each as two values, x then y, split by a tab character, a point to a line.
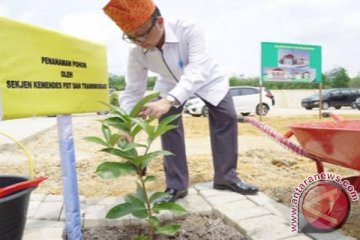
129	14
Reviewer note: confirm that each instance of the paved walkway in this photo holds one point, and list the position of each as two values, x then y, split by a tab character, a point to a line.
258	217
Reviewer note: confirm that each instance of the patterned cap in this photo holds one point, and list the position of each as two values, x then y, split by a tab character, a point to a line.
129	14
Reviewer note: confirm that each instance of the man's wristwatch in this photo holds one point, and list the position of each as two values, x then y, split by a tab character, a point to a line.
172	100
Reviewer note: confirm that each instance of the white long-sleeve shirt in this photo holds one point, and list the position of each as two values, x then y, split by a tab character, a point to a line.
183	65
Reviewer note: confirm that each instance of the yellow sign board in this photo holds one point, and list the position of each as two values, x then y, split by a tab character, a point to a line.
43	72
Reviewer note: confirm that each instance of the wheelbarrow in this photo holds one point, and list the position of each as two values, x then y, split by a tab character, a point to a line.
336	142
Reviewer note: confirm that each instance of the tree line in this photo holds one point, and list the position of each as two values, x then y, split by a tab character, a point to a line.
335	78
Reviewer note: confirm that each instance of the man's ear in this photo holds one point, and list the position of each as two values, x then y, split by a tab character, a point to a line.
160	20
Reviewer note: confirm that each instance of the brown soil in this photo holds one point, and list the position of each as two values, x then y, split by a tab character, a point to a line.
193	227
261	161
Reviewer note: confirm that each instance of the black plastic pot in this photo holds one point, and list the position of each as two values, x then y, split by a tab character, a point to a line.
13	209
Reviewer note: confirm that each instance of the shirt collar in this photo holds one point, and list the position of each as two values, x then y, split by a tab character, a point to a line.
169	36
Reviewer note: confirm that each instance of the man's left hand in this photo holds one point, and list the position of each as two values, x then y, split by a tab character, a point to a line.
156	109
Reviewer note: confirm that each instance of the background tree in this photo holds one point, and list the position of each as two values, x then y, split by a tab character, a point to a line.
338	77
116	82
355	82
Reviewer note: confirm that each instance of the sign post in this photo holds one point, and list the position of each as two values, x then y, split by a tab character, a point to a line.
52	74
287	62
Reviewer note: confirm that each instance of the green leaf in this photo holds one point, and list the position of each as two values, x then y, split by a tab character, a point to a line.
140	213
171	206
114	139
134	201
138	107
170	229
119	153
109	170
145	126
117	122
157	195
119	211
138	206
154	221
136	128
106	132
130	146
145	159
160	130
96	140
169	119
150	179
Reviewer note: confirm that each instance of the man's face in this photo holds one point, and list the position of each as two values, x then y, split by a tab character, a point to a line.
147	35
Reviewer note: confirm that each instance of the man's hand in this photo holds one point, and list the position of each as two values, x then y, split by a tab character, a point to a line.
156	109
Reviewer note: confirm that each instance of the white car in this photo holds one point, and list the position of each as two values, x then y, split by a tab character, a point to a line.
246	100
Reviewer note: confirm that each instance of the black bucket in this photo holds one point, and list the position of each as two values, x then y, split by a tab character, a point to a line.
13	209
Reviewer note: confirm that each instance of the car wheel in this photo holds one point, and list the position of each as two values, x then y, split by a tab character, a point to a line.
337	107
353	105
245	114
265	110
325	106
308	108
205	111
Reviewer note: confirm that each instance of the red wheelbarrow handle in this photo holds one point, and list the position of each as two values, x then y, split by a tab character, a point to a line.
20	186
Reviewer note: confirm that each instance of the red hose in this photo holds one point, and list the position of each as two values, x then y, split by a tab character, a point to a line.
282	140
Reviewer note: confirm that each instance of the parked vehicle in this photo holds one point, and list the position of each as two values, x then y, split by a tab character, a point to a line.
246	101
336	97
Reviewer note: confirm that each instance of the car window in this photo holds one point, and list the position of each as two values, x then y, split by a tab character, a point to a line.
335	93
249	91
354	91
345	91
235	91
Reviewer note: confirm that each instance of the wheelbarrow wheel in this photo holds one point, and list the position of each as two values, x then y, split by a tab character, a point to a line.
265	109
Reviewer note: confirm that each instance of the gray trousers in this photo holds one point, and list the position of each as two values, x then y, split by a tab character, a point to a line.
223	135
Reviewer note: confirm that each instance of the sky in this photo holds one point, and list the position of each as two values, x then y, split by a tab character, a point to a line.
234	28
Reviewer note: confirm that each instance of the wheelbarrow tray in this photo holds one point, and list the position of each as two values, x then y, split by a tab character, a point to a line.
336	142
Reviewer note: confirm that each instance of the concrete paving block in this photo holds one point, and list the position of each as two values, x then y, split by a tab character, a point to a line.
37	229
35	224
337	235
265	227
224	197
279	209
33	208
138	222
37	197
192	191
202	186
165	215
94	216
260	199
210	192
235	211
54	198
196	204
49	211
104	201
44	233
126	220
298	236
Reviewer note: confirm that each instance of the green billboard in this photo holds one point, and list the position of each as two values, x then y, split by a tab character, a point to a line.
288	62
